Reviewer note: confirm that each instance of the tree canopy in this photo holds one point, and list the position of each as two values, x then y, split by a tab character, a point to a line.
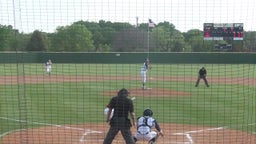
106	36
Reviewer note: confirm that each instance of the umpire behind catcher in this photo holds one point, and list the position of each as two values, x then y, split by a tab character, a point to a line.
202	75
122	105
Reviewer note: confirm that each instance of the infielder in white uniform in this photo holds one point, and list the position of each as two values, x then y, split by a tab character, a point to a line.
143	72
144	125
48	66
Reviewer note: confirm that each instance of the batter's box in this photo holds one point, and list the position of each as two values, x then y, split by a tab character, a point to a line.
92	136
183	138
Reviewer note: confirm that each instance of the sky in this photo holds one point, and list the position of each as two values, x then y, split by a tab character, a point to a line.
47	15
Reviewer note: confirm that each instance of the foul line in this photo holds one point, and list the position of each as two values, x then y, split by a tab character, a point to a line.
47	124
9	132
187	135
190	139
88	131
82	139
40	123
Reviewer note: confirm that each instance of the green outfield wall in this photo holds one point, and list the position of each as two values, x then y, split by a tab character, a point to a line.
221	58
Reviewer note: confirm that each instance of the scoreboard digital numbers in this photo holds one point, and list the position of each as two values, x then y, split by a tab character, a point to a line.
223	31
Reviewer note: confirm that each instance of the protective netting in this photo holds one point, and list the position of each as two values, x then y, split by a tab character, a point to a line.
45	15
58	95
67	106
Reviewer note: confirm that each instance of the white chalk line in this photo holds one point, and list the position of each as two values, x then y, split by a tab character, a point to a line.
187	135
190	139
9	132
40	123
88	131
82	139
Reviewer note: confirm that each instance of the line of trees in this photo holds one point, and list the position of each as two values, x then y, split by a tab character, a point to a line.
105	36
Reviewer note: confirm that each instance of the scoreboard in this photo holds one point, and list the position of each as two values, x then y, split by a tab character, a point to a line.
223	31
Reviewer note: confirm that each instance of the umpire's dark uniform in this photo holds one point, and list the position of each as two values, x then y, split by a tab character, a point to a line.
202	75
120	122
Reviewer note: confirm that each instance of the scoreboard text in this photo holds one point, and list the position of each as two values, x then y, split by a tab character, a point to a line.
223	31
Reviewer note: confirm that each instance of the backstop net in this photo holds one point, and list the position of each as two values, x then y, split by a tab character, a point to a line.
62	62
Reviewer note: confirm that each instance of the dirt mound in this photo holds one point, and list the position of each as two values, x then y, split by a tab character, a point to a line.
150	92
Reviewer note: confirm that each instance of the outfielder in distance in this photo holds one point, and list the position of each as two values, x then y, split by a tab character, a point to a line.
144	126
146	66
48	66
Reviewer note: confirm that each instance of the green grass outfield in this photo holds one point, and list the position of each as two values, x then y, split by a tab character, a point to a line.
223	104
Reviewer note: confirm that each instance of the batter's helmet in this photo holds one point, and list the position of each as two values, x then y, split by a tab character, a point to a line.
123	92
148	112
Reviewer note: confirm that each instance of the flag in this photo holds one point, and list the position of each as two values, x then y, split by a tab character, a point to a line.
151	24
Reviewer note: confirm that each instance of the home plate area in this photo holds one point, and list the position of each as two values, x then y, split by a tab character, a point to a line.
95	133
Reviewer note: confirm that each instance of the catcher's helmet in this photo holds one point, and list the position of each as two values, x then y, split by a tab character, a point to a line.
123	92
148	112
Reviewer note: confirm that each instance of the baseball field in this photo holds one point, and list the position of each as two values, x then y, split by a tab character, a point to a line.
67	106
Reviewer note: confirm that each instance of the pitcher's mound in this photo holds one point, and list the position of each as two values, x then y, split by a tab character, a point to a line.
150	92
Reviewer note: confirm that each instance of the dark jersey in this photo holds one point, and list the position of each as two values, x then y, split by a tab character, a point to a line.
122	106
202	72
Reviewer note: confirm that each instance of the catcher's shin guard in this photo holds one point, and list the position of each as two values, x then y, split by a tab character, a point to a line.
135	140
152	141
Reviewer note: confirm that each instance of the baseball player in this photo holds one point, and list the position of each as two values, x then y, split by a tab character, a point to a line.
144	125
202	75
143	72
48	66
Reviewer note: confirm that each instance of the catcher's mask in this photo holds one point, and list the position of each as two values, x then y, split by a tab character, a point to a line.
123	92
148	112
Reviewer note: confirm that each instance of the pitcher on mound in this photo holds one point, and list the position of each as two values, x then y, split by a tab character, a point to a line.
145	67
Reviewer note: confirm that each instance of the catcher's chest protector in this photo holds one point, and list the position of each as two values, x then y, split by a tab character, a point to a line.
145	124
